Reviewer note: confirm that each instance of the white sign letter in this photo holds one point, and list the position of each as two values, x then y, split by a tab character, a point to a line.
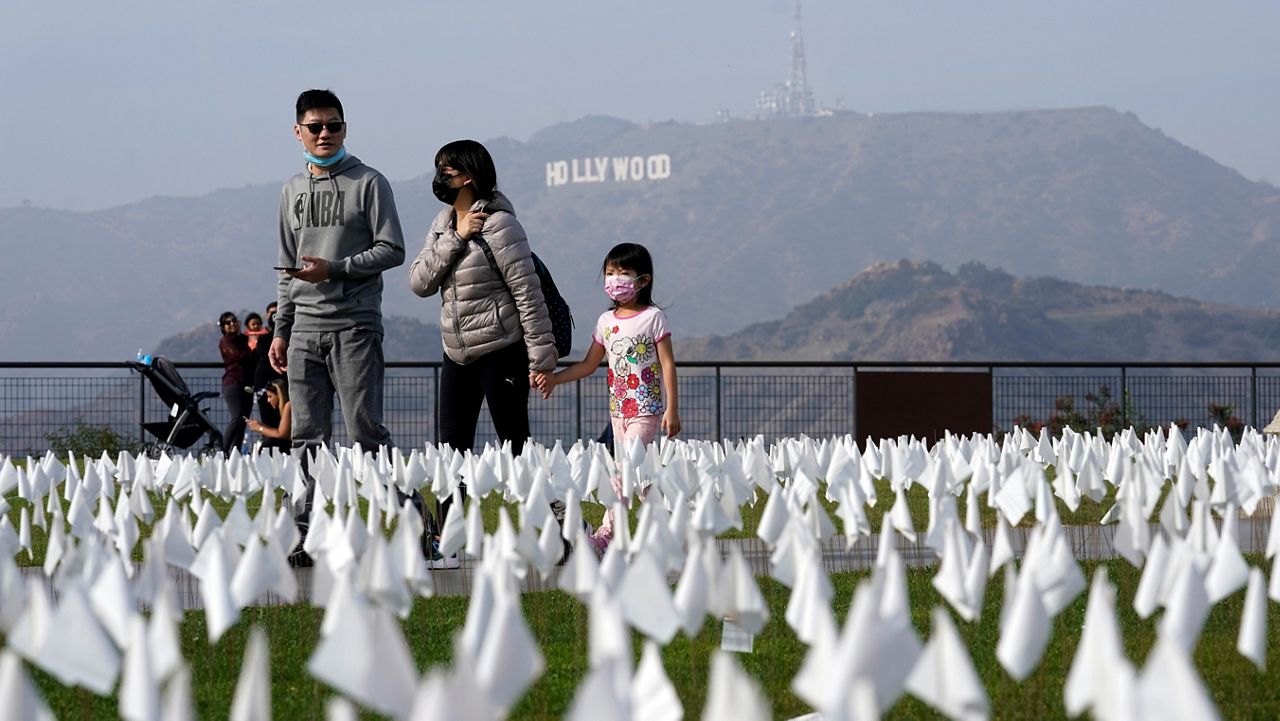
619	169
557	173
659	167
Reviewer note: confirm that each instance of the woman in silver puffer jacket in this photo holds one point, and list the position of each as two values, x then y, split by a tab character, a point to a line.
493	318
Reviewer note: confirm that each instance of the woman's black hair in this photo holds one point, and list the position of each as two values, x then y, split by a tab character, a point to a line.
226	316
633	257
470	157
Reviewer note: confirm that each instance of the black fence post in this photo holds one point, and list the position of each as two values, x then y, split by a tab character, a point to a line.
1124	397
1253	396
142	409
853	405
435	403
719	428
991	371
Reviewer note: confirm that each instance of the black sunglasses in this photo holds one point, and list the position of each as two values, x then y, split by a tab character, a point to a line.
334	126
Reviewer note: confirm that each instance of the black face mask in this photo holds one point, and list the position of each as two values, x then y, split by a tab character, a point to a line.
440	187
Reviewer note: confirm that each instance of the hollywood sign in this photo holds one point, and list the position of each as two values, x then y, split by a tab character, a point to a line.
605	169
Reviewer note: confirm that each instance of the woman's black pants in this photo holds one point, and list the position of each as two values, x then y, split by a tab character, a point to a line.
501	379
240	405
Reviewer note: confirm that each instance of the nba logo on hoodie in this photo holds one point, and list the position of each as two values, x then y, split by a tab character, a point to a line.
326	209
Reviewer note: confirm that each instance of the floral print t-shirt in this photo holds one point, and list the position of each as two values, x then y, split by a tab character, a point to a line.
631	348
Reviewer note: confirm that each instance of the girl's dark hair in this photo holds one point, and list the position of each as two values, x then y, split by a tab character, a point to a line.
226	316
252	317
633	257
280	388
470	157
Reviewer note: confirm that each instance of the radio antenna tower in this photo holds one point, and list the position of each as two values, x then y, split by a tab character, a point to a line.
799	98
792	98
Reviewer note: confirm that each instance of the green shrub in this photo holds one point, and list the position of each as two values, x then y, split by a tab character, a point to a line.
1102	412
1224	414
85	439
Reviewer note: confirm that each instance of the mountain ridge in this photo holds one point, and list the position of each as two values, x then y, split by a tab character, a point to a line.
916	311
753	218
908	310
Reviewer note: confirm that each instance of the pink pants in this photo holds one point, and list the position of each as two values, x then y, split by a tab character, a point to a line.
624	429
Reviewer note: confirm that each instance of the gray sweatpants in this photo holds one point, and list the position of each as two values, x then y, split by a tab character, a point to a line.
349	362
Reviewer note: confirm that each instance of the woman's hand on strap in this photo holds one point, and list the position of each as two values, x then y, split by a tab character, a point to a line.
471	224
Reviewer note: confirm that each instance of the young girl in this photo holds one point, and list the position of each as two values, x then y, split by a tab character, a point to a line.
642	369
254	331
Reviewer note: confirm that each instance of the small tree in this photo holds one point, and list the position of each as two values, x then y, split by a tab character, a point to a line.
1102	413
1224	414
84	439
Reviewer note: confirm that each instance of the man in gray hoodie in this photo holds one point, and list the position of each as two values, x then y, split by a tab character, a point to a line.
339	231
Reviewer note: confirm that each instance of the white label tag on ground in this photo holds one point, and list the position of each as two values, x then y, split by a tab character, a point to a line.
173	412
735	638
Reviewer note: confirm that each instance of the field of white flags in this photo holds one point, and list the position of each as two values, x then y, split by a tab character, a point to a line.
977	577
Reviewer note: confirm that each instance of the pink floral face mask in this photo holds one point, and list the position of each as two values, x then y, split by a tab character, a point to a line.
621	288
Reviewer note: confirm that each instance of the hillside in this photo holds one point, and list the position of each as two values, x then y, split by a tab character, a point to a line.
918	311
746	220
911	310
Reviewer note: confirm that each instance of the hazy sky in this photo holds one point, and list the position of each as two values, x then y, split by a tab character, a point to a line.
109	103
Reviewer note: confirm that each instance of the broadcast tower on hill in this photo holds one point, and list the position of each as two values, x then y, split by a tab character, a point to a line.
792	98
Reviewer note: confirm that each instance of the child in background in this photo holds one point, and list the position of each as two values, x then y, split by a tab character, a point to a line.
254	331
642	369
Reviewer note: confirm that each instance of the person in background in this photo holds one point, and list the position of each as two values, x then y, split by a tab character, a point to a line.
237	362
254	331
263	373
279	435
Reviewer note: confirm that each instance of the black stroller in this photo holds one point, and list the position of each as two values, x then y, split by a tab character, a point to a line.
187	421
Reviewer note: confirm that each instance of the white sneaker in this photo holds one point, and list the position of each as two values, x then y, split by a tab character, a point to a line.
439	562
445	563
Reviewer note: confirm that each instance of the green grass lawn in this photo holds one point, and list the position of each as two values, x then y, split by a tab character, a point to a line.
559	623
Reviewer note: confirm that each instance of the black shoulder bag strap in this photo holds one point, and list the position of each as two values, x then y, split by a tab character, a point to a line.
493	262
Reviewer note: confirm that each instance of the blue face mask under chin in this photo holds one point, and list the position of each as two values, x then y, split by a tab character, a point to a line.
326	162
